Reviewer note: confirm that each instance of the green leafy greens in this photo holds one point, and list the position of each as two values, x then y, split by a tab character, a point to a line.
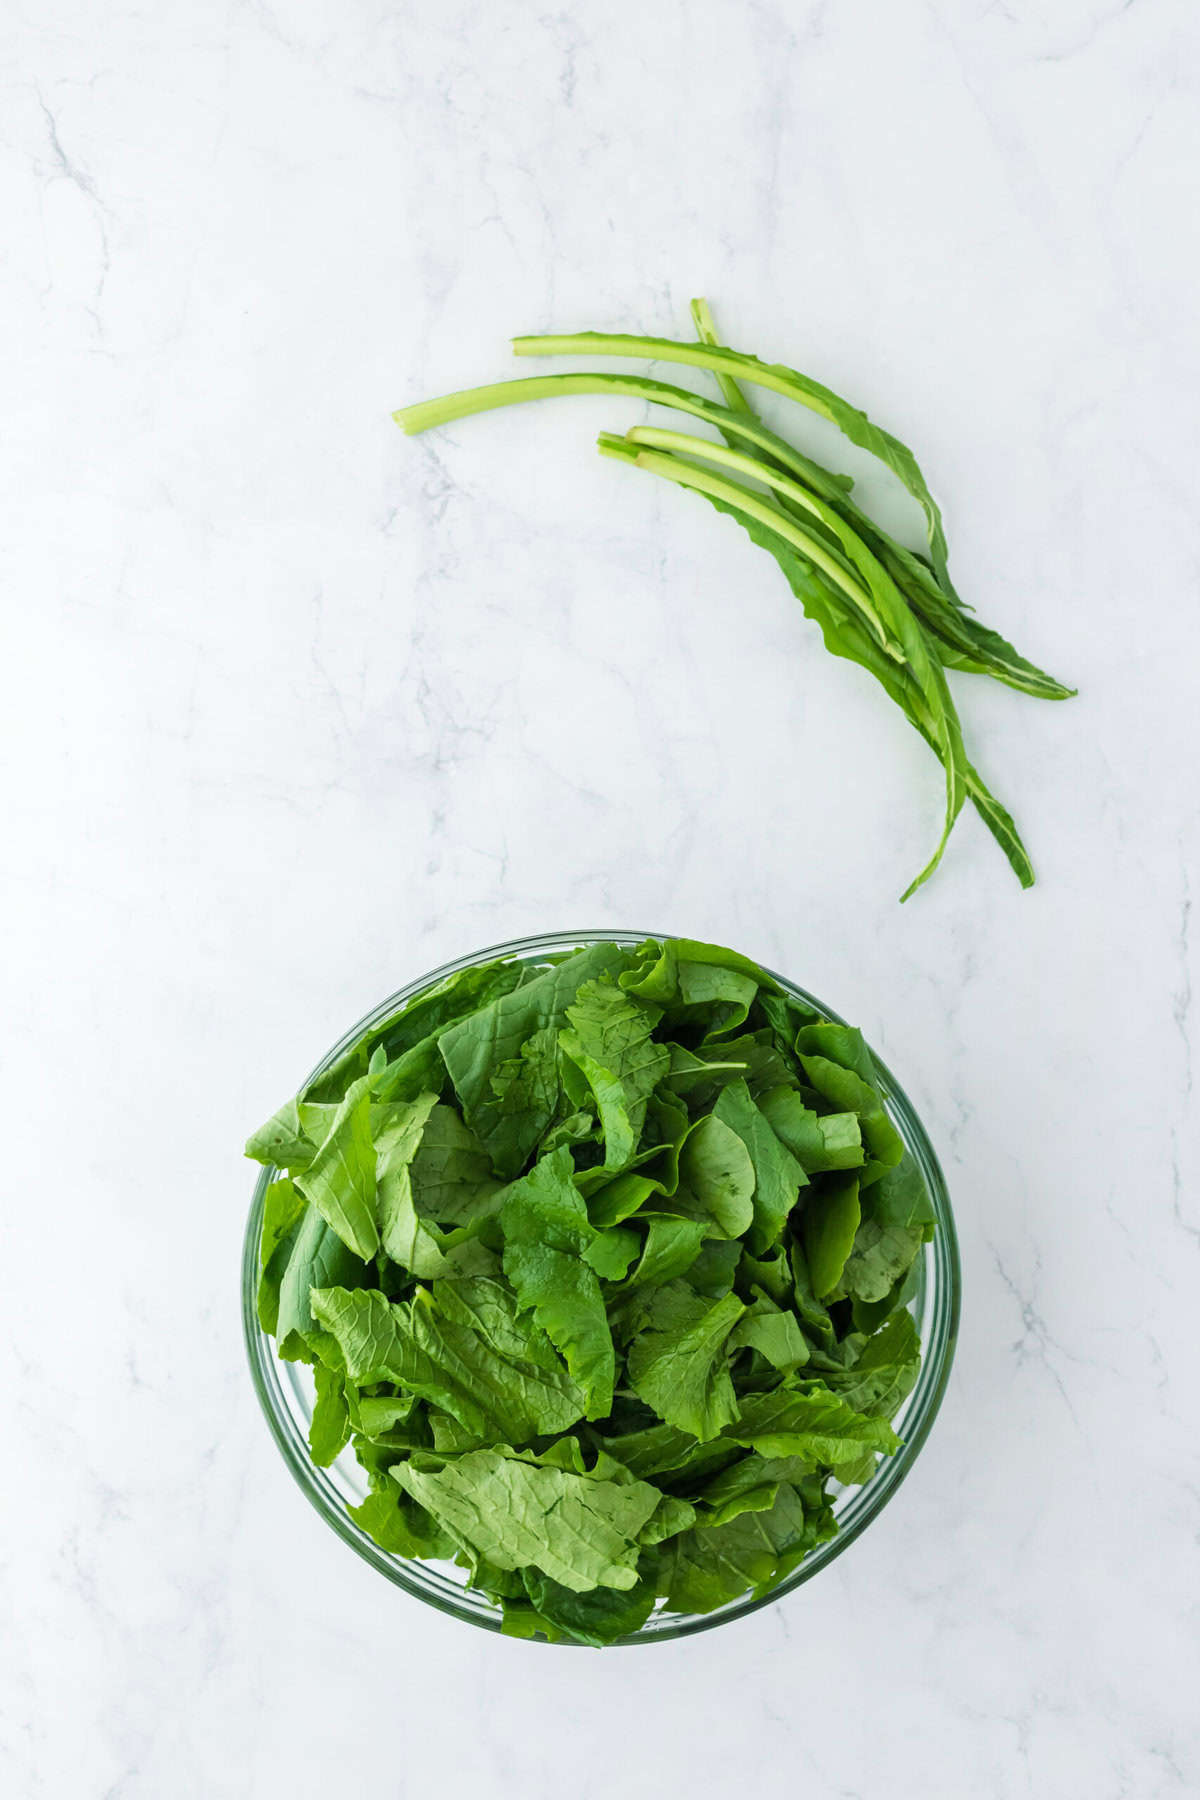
879	604
602	1263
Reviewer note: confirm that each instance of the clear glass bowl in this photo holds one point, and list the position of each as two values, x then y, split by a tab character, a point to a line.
285	1389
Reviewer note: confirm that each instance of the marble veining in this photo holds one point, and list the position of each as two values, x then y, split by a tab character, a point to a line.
298	708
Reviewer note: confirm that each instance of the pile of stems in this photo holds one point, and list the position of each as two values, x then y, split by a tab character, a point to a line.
891	610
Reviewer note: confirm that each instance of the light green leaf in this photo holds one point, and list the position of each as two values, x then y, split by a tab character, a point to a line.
727	993
521	1620
282	1141
749	1485
679	1365
670	1249
283	1209
712	1273
881	1255
524	1098
410	1242
698	1076
901	1198
869	1315
581	1532
818	1142
611	1252
770	1274
409	1034
400	1526
842	1044
576	1128
774	1334
850	1093
817	1426
340	1180
620	1197
329	1427
659	975
655	1449
376	1417
813	1316
717	1172
405	1238
669	1516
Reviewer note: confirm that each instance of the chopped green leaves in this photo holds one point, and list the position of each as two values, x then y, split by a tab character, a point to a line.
602	1269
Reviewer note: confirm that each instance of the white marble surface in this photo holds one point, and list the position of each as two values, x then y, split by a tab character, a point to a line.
296	708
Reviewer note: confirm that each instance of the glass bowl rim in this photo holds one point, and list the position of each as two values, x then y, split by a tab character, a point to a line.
937	1349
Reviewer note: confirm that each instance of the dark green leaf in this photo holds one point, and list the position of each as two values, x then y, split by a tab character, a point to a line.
610	1042
451	1178
831	1218
818	1141
818	1426
885	1372
777	1173
477	1046
597	1617
712	1564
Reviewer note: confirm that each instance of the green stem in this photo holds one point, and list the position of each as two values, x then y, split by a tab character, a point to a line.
706	331
849	419
733	494
716	357
860	560
427	414
689	445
